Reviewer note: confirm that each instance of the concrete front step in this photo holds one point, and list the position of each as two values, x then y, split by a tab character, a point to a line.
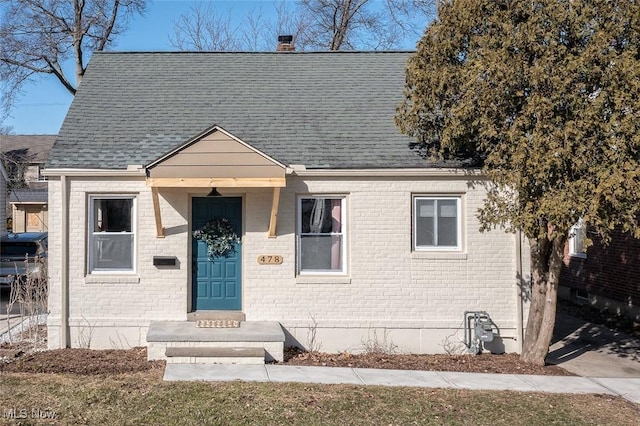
191	355
216	315
267	336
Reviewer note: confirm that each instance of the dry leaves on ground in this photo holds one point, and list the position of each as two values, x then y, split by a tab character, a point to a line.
482	363
96	362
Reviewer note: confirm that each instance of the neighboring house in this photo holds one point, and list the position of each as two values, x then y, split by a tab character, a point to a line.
24	157
29	210
603	275
348	236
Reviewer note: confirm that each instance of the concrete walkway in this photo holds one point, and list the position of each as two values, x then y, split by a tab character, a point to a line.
5	326
608	363
14	317
592	350
628	388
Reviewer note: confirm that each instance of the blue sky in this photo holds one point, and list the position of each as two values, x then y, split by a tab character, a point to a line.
45	102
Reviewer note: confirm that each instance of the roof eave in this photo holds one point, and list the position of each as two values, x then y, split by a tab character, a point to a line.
130	171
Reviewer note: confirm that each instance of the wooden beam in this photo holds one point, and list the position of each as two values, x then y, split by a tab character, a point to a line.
216	182
156	211
273	222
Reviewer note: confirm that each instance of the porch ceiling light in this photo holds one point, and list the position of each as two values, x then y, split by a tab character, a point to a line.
214	193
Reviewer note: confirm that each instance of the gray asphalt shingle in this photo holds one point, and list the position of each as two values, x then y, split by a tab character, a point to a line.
28	196
30	149
323	109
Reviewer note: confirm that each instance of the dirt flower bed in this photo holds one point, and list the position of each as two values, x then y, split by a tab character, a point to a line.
82	361
482	363
98	362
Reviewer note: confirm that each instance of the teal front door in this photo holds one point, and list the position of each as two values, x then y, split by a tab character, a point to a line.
216	282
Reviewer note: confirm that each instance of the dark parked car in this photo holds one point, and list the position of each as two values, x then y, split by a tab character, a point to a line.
15	249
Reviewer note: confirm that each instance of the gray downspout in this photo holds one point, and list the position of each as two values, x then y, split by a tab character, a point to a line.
519	284
64	273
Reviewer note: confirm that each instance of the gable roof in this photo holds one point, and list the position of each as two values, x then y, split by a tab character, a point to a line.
216	154
322	109
30	149
223	136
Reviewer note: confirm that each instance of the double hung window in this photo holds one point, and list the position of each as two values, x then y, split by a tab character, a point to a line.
112	233
321	234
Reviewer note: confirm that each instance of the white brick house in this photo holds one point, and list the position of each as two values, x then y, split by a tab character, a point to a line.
347	235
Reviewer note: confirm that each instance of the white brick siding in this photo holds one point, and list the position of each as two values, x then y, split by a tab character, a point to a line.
415	299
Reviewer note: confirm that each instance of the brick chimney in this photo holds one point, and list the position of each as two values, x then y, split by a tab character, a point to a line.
285	44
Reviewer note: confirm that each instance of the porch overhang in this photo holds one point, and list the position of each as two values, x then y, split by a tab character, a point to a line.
215	159
275	183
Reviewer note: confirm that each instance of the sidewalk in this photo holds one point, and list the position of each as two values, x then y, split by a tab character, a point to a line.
14	317
628	388
13	321
608	363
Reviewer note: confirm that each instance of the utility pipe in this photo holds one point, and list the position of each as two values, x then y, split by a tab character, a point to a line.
64	273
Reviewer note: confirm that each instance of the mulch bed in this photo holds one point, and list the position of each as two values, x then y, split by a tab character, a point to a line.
18	358
482	363
111	361
82	361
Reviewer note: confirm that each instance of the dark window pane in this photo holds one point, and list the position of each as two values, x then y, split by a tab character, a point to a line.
321	216
447	223
425	222
113	215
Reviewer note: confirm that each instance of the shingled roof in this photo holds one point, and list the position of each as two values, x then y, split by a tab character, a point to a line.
321	110
29	149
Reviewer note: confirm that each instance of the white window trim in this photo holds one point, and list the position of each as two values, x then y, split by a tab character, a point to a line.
343	248
573	250
90	233
414	212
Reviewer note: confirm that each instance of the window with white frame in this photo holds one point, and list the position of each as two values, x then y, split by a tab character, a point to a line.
112	233
576	240
321	234
436	223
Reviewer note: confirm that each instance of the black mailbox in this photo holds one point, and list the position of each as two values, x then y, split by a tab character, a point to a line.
165	261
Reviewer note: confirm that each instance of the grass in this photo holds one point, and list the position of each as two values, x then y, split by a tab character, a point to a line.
142	398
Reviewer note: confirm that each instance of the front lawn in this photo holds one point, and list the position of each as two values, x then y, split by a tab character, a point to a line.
142	398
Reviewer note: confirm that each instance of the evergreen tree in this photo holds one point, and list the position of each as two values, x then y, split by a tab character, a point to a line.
544	95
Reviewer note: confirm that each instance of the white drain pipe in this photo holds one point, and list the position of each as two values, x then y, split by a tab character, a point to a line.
64	273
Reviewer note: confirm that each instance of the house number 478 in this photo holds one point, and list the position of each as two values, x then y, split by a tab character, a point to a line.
270	259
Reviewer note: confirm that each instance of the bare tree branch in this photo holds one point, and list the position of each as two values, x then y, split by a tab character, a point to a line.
314	24
203	29
37	36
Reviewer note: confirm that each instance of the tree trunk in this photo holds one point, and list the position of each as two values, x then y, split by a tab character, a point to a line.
546	262
539	269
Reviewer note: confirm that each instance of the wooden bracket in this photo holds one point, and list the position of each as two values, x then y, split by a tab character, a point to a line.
156	211
273	221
